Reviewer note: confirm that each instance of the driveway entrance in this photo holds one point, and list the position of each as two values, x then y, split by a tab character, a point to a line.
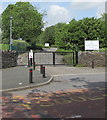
48	58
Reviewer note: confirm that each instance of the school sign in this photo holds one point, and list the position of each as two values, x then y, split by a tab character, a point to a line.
91	44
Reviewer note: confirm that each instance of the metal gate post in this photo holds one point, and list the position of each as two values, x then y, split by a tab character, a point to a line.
28	60
76	53
53	58
34	65
33	57
73	59
34	60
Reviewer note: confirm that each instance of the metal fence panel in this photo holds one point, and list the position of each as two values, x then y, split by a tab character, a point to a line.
47	58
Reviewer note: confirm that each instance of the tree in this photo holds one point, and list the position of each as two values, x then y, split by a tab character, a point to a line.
0	22
61	35
72	35
26	23
0	30
77	34
94	28
48	35
104	27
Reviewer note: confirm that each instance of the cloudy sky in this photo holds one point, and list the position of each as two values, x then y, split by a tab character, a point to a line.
63	10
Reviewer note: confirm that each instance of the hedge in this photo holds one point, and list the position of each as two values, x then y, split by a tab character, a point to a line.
4	46
20	45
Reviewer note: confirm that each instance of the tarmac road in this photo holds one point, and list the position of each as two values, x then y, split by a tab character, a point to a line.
75	82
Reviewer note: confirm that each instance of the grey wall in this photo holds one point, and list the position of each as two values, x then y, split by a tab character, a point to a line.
86	58
8	59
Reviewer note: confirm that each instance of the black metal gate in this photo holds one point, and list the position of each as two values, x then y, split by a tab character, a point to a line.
54	58
48	58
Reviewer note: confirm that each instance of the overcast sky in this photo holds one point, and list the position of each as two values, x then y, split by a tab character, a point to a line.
63	10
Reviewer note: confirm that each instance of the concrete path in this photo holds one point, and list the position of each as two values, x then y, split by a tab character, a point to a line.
66	70
18	77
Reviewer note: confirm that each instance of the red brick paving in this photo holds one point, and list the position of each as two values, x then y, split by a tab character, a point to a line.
80	103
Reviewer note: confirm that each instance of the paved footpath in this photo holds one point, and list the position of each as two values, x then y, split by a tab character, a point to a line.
18	77
73	93
62	70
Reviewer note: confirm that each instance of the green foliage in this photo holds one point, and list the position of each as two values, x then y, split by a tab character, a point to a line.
0	21
71	36
5	41
20	45
26	22
63	50
39	46
67	59
105	28
4	46
81	65
54	46
103	50
61	35
47	36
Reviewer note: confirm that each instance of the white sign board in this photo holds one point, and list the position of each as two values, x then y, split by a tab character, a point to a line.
46	44
92	45
31	54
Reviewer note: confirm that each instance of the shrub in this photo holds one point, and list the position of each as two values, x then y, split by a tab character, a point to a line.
62	51
4	46
20	45
40	45
103	50
54	46
68	59
35	47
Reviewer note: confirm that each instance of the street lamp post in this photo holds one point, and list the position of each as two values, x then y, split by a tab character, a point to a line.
11	42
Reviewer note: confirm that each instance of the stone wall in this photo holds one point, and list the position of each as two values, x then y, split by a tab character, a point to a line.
8	59
86	58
